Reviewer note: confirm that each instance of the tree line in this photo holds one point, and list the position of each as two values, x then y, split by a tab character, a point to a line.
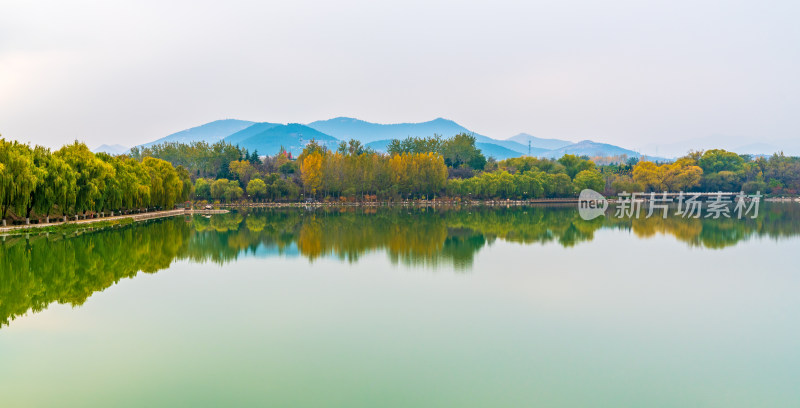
36	182
456	168
709	171
412	168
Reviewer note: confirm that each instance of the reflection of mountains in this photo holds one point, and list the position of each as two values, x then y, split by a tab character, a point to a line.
38	271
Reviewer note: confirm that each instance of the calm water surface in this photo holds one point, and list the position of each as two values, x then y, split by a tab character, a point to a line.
515	307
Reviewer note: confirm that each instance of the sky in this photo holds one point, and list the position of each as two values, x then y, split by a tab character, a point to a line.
640	74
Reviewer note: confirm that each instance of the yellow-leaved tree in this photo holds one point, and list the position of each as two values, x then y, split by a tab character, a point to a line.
311	172
681	175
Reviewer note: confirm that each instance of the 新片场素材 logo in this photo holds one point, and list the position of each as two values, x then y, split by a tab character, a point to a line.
591	204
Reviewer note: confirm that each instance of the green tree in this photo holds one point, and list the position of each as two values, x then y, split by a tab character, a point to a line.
559	185
591	179
202	189
19	178
574	164
257	189
460	150
218	189
227	190
233	192
716	160
166	186
91	175
187	188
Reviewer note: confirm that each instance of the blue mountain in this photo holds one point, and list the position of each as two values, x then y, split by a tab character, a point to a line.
368	132
248	132
591	149
268	138
292	137
379	145
211	132
496	151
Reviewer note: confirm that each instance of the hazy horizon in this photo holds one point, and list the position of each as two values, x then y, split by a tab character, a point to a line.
642	76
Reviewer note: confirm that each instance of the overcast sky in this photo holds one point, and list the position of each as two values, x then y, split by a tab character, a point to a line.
626	72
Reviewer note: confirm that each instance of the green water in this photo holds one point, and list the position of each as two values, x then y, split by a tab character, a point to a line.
504	307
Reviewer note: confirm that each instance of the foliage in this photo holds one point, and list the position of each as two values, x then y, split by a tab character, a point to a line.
591	179
457	151
257	189
574	164
73	180
199	158
681	175
226	190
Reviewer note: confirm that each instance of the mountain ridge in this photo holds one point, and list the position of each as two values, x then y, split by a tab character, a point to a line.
290	136
210	132
268	137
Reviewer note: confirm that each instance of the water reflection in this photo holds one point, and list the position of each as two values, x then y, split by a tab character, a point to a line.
40	270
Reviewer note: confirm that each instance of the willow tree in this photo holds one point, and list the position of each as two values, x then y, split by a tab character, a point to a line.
187	188
56	183
91	175
166	186
19	177
59	187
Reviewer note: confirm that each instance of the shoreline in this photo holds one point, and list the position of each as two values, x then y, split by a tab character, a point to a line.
223	209
115	220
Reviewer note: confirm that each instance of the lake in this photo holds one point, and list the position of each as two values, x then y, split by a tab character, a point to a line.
405	307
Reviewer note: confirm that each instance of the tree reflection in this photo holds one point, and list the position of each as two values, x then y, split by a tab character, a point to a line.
40	270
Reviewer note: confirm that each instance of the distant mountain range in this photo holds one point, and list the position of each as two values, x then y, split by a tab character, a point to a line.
349	128
211	132
591	149
267	137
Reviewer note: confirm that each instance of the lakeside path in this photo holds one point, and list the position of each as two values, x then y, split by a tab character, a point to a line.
134	217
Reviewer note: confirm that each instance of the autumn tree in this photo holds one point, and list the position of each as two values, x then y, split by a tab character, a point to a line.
310	172
243	170
678	176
